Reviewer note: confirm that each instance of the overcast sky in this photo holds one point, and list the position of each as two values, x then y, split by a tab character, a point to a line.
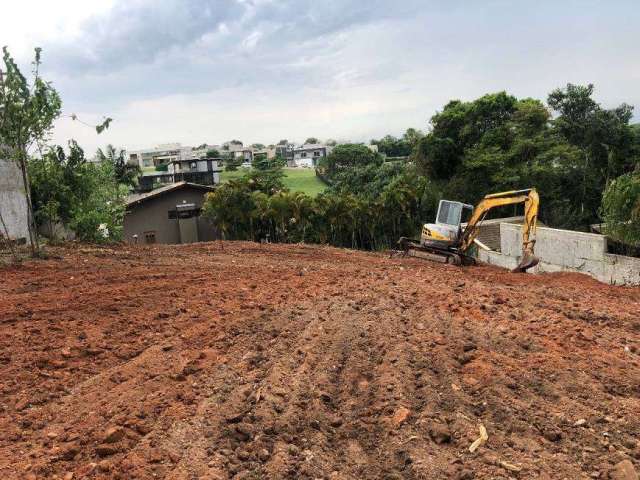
195	71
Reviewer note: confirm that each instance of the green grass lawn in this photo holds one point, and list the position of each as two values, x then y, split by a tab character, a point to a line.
295	179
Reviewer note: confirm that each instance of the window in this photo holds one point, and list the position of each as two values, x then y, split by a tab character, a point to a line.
449	213
150	237
193	166
303	154
316	153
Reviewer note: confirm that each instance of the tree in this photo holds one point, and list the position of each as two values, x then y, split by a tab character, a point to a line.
258	146
283	142
213	153
620	209
266	175
231	163
85	196
412	137
27	113
350	155
604	136
125	173
331	142
311	141
392	146
235	142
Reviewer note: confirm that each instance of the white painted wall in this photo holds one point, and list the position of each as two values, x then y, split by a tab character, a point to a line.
13	200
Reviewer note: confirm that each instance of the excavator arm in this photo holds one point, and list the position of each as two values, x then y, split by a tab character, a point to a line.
531	202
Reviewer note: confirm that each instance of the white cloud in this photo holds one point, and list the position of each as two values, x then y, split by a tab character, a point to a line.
205	70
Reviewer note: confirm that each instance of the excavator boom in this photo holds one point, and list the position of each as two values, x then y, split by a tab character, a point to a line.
531	201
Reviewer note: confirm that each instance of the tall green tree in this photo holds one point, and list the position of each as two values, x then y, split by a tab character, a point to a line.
349	155
604	137
27	112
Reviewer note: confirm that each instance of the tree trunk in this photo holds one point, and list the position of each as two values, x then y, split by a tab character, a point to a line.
6	232
33	234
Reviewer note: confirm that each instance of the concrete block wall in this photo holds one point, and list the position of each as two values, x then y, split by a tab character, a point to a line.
565	250
13	201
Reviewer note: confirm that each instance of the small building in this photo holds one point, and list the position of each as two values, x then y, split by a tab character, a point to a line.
13	203
170	214
309	155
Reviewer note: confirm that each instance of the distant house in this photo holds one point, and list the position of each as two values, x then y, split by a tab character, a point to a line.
204	171
170	214
13	202
286	151
160	155
309	155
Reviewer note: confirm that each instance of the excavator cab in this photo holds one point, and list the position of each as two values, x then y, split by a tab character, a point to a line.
447	229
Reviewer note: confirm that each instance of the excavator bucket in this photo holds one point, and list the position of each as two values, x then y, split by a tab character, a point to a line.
529	260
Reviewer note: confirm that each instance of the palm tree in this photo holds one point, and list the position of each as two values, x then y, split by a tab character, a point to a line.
125	172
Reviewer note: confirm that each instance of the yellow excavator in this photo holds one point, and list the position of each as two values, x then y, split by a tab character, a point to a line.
446	241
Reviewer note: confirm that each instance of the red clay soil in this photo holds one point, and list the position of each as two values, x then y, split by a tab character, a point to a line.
301	362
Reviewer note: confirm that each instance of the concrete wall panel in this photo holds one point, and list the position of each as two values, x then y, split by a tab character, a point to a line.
565	250
13	201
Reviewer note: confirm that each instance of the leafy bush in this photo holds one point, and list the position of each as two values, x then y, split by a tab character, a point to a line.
244	210
82	195
621	209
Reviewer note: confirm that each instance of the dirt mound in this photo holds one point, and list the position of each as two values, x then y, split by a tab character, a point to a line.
280	361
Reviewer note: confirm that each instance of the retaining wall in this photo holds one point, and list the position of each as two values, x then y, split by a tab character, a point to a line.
13	201
565	250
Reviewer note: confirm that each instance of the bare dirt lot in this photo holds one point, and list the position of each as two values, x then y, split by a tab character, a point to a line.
305	362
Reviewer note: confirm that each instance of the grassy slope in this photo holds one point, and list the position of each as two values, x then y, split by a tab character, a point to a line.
296	180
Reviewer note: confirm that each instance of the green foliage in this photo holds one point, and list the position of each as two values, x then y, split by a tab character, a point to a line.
125	173
268	181
213	153
98	217
311	141
231	163
347	156
367	181
399	147
341	218
262	162
85	196
27	111
498	142
621	209
104	125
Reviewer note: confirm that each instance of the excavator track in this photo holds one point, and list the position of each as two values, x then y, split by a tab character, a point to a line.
433	253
